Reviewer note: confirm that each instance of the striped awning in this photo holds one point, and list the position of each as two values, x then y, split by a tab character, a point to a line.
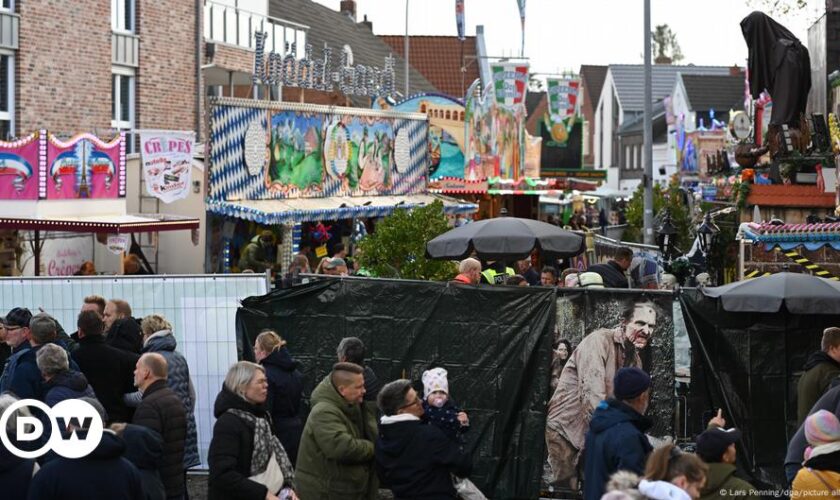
271	212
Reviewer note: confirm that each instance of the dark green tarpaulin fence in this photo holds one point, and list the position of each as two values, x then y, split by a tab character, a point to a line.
495	343
748	364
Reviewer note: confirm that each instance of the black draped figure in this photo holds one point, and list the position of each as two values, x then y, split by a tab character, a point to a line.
778	63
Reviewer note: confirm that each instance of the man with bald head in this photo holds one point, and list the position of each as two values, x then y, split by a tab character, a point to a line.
162	411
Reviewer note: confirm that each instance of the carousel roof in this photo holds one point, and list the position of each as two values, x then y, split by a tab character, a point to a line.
789	236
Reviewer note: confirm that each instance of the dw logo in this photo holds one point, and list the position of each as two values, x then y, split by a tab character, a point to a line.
76	428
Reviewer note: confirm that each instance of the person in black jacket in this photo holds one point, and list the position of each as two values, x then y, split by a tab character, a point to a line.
144	448
107	369
103	475
414	460
90	303
242	425
163	412
613	271
15	472
123	331
352	350
285	389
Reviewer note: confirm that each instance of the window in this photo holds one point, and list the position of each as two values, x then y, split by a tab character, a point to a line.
122	15
122	106
7	96
7	5
639	158
347	50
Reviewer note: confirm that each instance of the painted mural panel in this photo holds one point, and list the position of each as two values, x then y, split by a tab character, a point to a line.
495	131
309	150
85	167
314	152
20	168
446	131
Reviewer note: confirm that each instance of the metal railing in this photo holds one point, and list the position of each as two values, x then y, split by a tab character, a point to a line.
232	25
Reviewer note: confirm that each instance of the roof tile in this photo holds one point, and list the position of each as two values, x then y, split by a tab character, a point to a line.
630	81
593	78
438	58
330	27
717	92
797	195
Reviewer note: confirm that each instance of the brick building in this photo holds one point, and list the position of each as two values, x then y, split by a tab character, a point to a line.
102	66
98	65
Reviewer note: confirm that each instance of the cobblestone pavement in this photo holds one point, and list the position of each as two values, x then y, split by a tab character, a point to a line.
197	487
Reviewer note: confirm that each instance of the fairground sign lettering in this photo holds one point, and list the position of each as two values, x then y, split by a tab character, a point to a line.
319	74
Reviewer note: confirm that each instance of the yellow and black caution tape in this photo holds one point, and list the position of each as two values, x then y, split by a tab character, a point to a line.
807	264
755	273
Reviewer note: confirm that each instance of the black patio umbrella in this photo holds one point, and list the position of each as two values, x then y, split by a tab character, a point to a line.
800	293
505	238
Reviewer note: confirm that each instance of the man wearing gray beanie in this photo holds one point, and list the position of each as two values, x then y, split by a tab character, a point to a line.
616	439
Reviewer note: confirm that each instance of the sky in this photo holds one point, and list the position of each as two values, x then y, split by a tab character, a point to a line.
560	35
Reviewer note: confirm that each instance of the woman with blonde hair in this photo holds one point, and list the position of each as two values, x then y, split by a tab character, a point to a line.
247	461
672	474
285	389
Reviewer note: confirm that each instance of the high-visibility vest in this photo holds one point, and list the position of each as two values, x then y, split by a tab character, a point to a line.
495	278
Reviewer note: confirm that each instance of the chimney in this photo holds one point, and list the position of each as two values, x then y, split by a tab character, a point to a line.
367	23
348	8
736	70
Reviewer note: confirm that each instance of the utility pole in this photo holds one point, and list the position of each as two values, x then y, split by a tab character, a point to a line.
406	50
647	153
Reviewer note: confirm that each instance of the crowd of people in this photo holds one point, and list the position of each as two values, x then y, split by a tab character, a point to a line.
359	435
624	270
597	425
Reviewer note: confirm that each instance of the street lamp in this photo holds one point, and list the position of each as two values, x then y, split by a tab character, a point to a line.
707	232
667	236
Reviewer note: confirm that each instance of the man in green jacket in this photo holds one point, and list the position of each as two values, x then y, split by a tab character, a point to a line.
820	369
257	254
335	458
716	446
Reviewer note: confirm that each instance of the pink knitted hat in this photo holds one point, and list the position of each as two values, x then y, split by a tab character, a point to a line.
821	428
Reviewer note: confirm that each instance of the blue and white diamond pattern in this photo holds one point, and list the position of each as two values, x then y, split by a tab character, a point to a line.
231	181
413	179
229	177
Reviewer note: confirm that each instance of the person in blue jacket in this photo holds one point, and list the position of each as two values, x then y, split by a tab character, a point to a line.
616	439
24	377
